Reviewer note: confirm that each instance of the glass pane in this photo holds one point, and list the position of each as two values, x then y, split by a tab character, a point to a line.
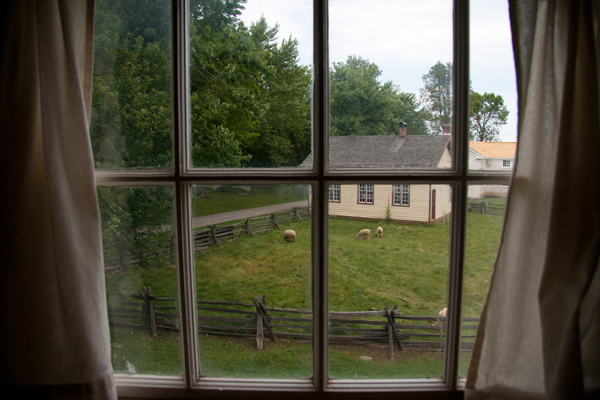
485	218
250	70
141	279
391	84
253	280
388	278
493	88
131	94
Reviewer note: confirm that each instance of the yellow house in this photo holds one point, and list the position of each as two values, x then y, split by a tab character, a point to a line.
405	202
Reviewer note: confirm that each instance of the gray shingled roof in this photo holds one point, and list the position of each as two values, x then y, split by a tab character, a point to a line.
385	151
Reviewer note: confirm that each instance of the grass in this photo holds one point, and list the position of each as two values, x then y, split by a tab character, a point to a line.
408	267
222	199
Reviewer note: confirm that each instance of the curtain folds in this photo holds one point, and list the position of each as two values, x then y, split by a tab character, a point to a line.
54	340
539	336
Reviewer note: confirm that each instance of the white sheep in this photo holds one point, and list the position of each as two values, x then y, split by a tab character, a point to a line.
289	235
364	232
442	313
379	231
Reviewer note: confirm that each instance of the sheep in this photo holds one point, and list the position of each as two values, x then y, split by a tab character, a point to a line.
289	235
442	313
379	232
364	232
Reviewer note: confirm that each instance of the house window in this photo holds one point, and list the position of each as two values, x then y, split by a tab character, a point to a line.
506	163
401	195
334	192
365	194
151	155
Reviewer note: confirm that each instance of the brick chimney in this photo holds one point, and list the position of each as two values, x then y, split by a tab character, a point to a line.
402	129
447	129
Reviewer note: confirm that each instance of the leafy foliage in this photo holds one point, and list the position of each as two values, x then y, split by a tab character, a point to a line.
437	96
361	105
488	113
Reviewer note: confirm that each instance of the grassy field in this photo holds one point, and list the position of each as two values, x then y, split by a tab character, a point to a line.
220	199
408	267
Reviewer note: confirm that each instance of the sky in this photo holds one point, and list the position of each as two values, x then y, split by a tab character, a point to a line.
405	38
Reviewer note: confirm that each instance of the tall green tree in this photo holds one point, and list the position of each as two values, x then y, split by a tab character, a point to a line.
360	104
488	114
284	131
408	109
436	96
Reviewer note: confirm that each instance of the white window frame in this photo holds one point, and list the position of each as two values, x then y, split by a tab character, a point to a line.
506	163
365	193
182	177
334	193
402	194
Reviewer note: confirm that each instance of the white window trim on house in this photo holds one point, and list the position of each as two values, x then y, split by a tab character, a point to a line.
402	194
182	178
365	193
334	193
506	163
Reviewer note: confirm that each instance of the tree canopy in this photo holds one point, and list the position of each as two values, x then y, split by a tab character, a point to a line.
436	96
362	105
488	114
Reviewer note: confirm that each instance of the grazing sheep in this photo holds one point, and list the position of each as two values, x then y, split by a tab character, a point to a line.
364	232
289	235
442	313
379	231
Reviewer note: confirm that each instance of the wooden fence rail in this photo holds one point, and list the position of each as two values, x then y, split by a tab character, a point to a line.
212	234
388	327
486	207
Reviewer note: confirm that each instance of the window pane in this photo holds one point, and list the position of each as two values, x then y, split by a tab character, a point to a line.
251	83
485	218
253	280
131	93
494	89
403	268
141	279
391	84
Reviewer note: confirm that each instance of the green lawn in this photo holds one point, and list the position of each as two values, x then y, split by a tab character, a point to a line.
408	267
231	198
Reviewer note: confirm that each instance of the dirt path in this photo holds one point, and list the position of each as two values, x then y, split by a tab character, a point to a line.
241	214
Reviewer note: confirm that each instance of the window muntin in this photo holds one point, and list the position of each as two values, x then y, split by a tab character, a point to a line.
401	195
183	179
365	193
334	192
506	163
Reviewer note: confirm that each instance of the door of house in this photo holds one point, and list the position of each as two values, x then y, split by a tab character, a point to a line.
433	205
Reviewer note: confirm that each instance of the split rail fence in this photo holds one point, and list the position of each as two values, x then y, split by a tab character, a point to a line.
212	234
387	327
486	207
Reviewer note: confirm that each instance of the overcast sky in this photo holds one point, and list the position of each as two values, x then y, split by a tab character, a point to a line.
405	38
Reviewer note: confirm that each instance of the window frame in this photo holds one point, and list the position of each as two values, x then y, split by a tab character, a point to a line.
333	189
365	193
506	163
182	177
401	194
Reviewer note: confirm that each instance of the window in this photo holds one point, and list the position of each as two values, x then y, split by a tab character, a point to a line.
334	192
401	195
365	194
195	167
506	163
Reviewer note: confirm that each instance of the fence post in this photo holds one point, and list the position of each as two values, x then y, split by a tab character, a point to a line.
483	207
149	296
388	314
274	221
212	232
260	336
247	229
297	215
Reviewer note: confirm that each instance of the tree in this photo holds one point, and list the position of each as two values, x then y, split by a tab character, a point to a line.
285	127
360	104
437	96
407	110
488	113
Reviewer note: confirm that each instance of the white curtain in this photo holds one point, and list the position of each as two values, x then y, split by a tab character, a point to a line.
54	338
539	336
